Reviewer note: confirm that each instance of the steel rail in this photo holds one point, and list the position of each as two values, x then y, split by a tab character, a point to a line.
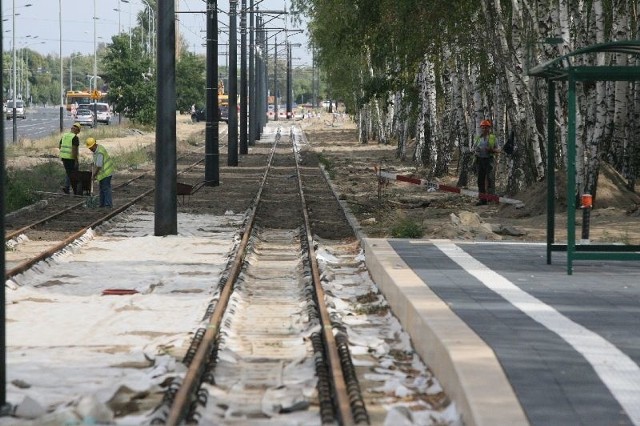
341	398
23	266
192	379
17	232
188	389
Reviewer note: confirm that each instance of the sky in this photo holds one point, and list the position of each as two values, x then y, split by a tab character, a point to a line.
38	25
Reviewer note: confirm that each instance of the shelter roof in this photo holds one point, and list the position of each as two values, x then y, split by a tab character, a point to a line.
562	67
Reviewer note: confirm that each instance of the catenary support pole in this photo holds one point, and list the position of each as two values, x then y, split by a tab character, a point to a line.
232	159
289	89
166	203
211	137
4	407
251	140
275	78
243	78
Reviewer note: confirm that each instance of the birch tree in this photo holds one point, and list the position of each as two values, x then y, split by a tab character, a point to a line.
391	54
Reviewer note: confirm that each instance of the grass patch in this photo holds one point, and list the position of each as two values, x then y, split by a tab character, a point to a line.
367	298
132	159
21	184
407	228
194	140
328	166
372	310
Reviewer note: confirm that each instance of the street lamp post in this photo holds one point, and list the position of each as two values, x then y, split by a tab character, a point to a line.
150	27
71	72
95	66
127	1
61	81
15	122
151	24
95	50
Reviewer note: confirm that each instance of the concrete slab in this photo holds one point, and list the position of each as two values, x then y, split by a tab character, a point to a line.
512	339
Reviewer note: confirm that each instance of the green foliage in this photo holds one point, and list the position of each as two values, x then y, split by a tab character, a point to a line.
132	88
132	159
407	228
328	166
369	48
190	81
302	84
21	184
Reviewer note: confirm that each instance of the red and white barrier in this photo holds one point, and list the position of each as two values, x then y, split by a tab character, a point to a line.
383	177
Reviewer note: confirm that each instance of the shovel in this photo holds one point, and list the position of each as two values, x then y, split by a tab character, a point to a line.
92	202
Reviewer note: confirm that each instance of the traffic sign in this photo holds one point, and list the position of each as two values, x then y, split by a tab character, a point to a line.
95	94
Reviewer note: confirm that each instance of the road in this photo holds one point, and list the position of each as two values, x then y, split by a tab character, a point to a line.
40	123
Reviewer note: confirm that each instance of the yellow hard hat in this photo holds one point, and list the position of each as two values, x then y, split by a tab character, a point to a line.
90	142
77	126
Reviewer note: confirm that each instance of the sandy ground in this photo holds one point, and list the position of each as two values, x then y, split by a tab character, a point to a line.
380	207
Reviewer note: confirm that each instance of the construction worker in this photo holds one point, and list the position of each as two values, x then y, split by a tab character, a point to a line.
485	146
69	154
101	171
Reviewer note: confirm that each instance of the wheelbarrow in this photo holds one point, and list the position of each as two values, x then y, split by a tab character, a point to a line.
80	181
184	189
82	184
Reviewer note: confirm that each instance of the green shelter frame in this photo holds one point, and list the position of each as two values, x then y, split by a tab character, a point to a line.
561	69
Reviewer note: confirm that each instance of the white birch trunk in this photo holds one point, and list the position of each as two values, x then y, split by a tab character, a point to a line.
376	113
595	139
421	83
432	131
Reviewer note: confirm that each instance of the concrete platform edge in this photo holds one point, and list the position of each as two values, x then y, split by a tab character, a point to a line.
465	366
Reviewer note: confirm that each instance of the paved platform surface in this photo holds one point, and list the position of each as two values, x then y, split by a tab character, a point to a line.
514	340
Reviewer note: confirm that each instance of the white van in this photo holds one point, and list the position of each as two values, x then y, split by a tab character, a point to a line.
19	109
101	110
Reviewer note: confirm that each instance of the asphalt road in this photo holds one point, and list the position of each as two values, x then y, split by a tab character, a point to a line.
40	122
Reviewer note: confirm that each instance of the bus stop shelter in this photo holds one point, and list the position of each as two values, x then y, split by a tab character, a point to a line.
559	70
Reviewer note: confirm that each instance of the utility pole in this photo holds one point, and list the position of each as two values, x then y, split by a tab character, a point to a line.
264	79
5	408
289	100
243	78
232	159
275	78
211	137
252	78
166	208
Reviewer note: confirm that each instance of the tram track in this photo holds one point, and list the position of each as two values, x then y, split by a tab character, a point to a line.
33	237
268	347
272	326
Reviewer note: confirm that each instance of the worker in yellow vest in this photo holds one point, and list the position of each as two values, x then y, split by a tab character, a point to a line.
101	171
485	147
69	154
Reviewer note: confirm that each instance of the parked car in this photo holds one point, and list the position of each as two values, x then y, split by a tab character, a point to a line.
19	110
224	113
201	114
84	117
101	109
